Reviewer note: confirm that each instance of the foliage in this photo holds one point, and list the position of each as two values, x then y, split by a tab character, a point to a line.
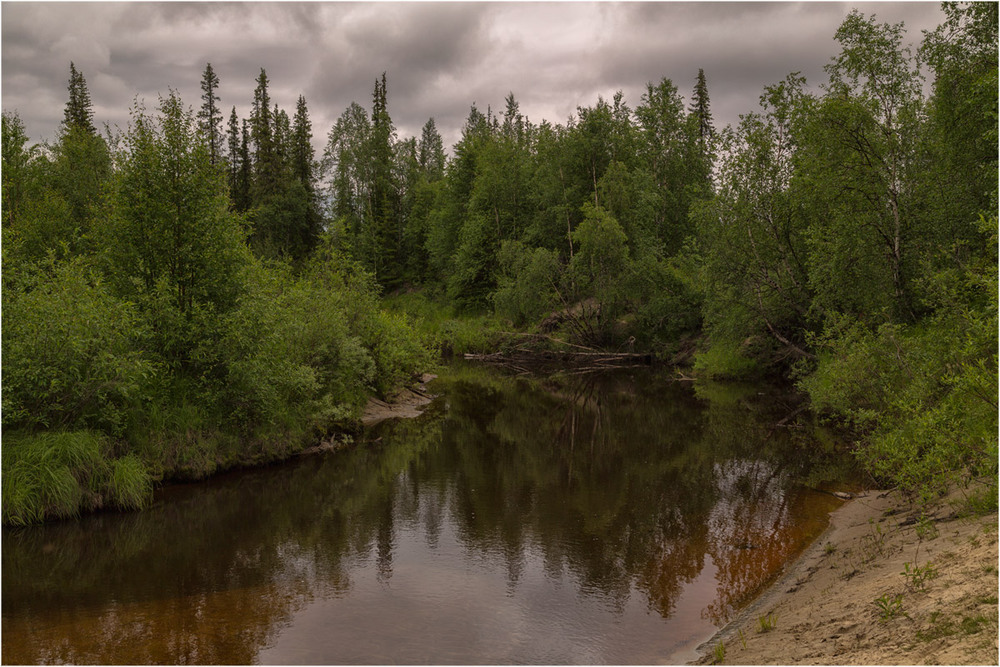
889	607
528	286
56	473
69	351
918	575
924	395
202	307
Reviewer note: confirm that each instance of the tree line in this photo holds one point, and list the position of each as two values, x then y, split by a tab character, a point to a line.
844	237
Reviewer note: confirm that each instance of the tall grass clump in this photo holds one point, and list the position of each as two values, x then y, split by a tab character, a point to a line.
56	474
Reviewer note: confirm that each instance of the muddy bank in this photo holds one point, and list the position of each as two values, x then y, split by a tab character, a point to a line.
886	584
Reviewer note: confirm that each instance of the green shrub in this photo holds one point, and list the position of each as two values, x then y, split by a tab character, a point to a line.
924	396
726	359
69	354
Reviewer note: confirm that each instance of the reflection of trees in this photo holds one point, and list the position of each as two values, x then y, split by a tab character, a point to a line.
208	574
762	517
625	482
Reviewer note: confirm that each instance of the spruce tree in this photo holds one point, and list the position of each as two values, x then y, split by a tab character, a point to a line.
701	109
79	113
302	166
234	154
262	140
302	160
210	117
242	196
430	151
382	221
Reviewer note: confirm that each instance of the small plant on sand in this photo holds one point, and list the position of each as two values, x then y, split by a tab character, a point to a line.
973	624
743	639
767	623
829	548
873	544
718	653
938	626
917	575
889	607
925	528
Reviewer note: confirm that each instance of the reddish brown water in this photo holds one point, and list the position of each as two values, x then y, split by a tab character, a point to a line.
602	520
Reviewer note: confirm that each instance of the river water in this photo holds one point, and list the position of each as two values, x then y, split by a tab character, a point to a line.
584	519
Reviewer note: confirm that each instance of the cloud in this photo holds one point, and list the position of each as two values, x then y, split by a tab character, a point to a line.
439	58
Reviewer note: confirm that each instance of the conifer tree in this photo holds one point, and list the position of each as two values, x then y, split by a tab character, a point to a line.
210	116
234	154
79	112
430	151
281	139
701	109
382	220
302	168
262	140
302	157
241	193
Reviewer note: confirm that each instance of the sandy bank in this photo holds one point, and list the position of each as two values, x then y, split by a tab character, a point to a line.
846	600
407	402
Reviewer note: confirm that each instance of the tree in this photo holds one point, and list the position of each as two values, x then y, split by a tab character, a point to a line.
79	112
80	162
210	117
243	194
235	159
961	131
666	151
430	151
302	157
386	230
857	166
700	108
753	236
18	162
346	159
262	130
173	246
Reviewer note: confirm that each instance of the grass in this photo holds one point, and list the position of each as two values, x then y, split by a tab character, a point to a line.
56	474
939	627
442	327
972	624
767	622
718	654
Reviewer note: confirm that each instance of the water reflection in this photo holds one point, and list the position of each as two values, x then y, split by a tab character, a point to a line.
565	520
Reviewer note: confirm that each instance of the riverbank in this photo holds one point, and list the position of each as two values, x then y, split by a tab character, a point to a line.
885	584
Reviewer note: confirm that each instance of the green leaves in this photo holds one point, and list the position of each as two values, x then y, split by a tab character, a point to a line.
69	356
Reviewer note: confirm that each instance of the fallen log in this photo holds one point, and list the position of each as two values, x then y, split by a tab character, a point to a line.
568	356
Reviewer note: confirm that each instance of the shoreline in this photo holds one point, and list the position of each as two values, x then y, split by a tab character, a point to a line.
846	599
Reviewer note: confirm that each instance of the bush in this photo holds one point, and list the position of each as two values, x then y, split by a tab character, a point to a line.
923	397
69	359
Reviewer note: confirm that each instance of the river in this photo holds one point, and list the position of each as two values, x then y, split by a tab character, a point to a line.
616	518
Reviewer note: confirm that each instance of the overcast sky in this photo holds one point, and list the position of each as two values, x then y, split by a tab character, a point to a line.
439	57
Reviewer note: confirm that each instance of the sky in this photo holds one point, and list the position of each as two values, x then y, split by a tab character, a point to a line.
440	58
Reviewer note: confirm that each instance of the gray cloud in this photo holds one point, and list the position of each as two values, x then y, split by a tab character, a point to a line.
440	58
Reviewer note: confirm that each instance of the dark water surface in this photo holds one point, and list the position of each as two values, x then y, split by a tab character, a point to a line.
612	519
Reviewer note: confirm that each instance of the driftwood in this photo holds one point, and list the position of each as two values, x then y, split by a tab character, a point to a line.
591	359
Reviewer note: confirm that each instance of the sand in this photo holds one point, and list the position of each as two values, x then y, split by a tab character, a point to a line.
406	403
847	601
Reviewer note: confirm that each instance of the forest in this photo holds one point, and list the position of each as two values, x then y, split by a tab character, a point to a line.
197	292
